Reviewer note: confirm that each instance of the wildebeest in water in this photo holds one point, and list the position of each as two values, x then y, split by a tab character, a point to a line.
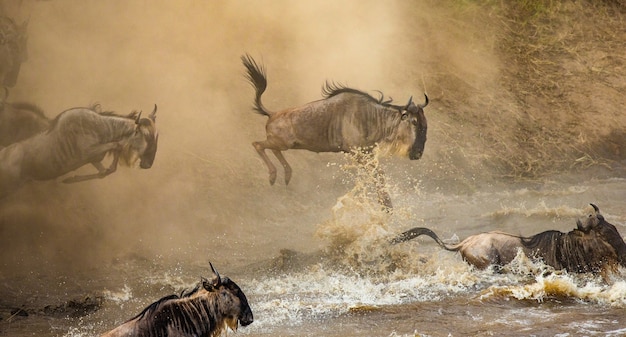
77	137
206	310
345	120
19	121
593	246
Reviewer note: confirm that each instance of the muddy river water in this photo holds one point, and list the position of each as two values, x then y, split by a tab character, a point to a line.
312	257
351	283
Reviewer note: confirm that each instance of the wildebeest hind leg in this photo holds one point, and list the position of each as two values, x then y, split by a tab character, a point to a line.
260	149
285	164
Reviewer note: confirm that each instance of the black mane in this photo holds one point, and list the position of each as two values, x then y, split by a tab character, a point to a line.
97	109
152	307
331	89
577	251
542	240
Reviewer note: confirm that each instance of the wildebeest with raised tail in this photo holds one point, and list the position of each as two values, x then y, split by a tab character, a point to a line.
75	138
595	246
205	311
19	121
345	120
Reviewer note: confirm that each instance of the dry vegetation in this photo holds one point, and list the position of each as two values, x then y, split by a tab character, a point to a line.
556	104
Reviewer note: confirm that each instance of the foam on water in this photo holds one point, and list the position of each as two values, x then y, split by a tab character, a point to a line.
536	281
321	293
119	296
359	271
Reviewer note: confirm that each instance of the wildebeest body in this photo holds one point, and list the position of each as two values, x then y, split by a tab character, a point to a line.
594	246
69	146
345	120
360	124
75	138
203	312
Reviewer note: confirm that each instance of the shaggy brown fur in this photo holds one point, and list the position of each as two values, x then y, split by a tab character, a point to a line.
345	120
204	311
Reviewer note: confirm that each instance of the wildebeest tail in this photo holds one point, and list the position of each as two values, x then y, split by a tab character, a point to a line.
256	75
418	231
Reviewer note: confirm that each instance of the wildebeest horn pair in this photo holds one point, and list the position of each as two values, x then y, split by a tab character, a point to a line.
420	105
152	115
215	282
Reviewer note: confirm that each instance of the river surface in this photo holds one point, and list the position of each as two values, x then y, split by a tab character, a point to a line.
348	282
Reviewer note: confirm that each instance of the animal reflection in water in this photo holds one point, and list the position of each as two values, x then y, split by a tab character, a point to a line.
206	310
77	137
594	246
344	121
19	121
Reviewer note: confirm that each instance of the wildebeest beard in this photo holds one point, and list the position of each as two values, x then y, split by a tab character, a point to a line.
142	147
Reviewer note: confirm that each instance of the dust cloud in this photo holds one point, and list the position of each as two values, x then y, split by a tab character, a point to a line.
207	195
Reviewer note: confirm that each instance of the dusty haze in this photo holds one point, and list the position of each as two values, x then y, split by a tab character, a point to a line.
208	189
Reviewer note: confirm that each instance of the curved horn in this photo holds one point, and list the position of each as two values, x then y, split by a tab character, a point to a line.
153	114
595	208
409	103
425	103
218	280
138	118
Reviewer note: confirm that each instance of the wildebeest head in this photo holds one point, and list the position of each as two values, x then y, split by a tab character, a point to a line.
233	302
13	50
415	121
143	145
606	232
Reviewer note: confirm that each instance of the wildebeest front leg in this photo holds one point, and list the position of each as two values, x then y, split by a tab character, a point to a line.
260	149
102	171
285	164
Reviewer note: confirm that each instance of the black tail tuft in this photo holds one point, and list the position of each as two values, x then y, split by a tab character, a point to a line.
415	232
256	76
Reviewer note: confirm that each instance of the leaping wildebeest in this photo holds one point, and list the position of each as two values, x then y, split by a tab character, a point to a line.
204	311
77	137
594	246
19	121
345	120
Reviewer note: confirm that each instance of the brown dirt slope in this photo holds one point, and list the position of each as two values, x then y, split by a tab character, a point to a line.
557	103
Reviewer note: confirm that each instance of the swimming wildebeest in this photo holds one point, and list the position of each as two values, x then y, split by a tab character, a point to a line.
345	120
19	121
594	246
204	311
77	137
12	50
